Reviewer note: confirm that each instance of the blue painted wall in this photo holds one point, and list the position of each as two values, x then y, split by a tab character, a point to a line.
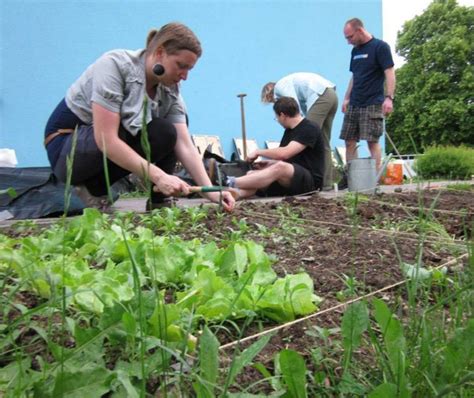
46	44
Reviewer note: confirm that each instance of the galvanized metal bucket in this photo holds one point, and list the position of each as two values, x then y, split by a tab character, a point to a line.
362	175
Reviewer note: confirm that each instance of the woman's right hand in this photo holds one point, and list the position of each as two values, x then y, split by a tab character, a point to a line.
170	185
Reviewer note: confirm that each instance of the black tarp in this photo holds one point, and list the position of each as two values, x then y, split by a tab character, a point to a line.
38	194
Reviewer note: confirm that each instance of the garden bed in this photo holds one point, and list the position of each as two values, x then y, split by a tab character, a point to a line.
349	247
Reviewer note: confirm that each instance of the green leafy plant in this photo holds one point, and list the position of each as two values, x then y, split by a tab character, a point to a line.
10	192
293	369
208	365
446	162
114	276
393	354
291	223
351	284
354	322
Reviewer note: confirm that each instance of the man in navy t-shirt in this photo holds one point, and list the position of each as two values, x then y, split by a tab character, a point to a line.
365	103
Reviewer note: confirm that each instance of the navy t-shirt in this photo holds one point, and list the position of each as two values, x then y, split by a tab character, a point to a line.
368	63
312	157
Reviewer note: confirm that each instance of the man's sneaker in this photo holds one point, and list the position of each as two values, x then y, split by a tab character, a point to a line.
98	202
165	202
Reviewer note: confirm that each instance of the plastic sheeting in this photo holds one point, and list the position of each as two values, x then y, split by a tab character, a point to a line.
38	194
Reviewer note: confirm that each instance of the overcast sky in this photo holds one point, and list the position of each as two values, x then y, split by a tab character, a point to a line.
396	12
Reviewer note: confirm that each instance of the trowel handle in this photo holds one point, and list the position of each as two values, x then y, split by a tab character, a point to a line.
215	188
193	189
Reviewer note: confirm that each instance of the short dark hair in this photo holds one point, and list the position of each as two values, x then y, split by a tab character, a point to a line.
356	23
286	105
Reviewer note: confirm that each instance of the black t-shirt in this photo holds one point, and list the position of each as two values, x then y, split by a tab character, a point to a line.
368	64
312	157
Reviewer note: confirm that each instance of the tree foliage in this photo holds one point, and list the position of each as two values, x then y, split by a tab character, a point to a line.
434	102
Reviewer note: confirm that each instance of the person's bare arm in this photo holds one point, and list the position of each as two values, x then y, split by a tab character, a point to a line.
387	106
347	96
106	127
280	153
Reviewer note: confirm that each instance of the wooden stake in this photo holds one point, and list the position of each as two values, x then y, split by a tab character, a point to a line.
242	115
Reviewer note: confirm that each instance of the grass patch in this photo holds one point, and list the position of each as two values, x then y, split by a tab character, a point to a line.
461	187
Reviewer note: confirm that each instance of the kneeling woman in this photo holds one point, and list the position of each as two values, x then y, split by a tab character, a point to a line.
106	105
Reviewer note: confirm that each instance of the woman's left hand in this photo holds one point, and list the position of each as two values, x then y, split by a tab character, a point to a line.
228	200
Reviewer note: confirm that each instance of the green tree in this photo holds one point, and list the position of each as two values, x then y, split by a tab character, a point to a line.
434	102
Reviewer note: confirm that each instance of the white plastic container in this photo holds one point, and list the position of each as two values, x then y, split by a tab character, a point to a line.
8	158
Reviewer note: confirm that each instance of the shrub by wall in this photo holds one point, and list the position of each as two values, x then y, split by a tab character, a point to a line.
446	162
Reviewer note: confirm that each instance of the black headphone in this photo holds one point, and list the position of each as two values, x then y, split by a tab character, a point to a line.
158	69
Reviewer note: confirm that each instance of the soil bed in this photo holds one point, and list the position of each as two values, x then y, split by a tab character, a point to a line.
331	242
336	243
349	246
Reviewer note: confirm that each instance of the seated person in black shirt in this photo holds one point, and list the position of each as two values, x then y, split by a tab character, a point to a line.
295	167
